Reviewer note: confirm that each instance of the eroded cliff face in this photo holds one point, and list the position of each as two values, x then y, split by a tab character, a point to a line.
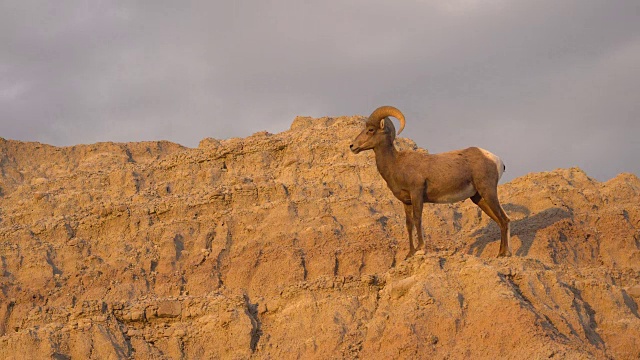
287	245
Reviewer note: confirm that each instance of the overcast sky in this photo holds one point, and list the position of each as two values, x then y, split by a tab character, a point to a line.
543	84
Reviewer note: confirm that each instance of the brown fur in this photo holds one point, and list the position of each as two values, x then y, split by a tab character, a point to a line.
416	178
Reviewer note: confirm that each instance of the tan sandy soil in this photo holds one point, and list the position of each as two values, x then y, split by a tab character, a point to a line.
283	246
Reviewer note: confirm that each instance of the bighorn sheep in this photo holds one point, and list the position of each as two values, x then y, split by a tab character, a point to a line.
416	178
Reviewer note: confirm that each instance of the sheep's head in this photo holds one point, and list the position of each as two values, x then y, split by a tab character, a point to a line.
378	129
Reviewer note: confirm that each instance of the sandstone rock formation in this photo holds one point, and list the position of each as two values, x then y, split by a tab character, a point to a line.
289	246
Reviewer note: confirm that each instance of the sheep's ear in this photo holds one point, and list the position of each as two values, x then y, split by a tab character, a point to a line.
382	124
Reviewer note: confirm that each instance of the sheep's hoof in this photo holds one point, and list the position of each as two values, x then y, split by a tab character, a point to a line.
504	254
410	255
421	252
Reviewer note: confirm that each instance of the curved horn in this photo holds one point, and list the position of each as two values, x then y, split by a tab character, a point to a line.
384	111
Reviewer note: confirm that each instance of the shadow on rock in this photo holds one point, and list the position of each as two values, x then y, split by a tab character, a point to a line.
525	228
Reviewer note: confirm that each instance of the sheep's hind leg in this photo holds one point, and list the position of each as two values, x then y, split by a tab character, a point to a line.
505	232
408	211
495	212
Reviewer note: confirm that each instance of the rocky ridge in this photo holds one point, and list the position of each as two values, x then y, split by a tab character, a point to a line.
287	245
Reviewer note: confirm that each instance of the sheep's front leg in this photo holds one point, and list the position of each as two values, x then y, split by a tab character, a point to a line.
417	201
408	212
413	213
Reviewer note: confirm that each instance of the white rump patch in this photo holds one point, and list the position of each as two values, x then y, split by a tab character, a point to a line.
496	160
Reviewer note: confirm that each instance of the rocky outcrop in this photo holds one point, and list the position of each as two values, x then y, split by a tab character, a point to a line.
287	246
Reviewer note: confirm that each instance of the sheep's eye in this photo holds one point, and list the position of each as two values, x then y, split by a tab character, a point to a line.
370	131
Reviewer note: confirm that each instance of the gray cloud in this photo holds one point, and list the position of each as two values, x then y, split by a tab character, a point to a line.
544	84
